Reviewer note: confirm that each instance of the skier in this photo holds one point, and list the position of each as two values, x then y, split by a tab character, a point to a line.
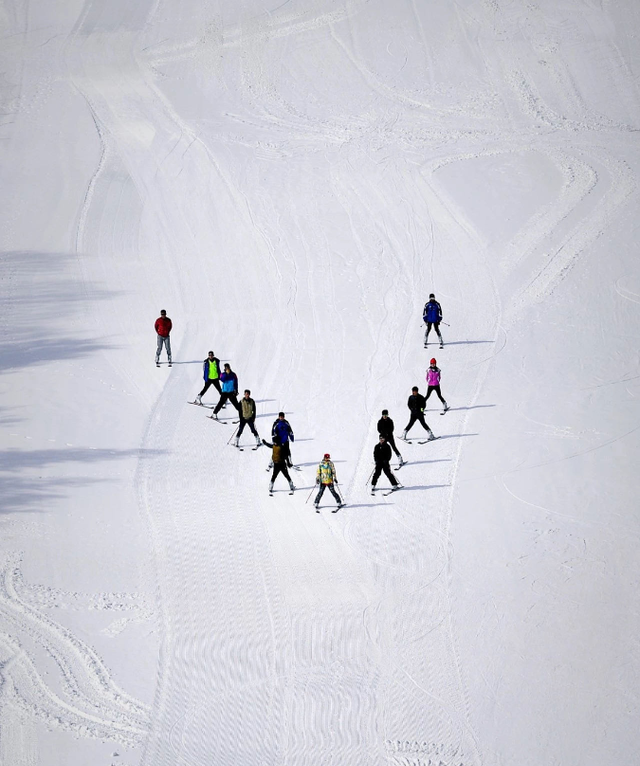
163	327
385	428
432	315
229	382
381	457
433	384
279	464
416	404
326	478
282	427
211	374
247	417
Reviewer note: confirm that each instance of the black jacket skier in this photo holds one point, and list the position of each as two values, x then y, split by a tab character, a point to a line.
416	404
385	428
381	457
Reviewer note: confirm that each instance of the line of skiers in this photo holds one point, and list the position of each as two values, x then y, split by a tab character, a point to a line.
226	384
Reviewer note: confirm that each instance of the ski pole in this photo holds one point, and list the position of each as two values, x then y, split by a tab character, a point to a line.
446	324
370	475
232	435
310	493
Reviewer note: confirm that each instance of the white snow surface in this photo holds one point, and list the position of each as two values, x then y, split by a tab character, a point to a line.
290	180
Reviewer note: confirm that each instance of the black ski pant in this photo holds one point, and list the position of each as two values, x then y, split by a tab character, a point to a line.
436	327
331	489
248	422
210	382
392	443
380	467
280	468
226	396
419	416
437	390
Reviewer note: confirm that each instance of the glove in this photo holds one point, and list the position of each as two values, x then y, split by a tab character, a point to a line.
292	438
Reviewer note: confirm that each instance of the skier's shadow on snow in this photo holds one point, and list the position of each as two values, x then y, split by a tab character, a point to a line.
466	342
424	462
262	401
315	462
455	436
473	407
423	486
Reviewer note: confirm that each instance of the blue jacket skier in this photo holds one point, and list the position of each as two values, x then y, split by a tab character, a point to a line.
432	316
283	430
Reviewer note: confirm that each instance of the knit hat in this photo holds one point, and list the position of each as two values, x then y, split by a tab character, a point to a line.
327	456
433	361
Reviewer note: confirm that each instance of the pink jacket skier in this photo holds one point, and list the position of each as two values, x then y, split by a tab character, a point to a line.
433	383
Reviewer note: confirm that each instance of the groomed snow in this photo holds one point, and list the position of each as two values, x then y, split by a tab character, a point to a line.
290	180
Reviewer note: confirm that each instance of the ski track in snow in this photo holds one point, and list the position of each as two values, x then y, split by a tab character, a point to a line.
290	638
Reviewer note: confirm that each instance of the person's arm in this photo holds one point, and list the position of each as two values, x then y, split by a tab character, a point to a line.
439	313
266	443
291	436
169	325
156	325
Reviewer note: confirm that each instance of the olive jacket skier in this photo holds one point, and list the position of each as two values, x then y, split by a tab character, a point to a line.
326	477
381	458
432	316
163	327
278	458
247	413
385	428
416	404
211	375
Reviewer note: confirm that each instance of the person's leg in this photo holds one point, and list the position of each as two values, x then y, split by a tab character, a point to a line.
167	343
389	475
158	348
205	388
223	398
285	473
286	451
234	400
425	425
436	326
252	426
392	443
320	494
429	390
427	331
332	489
376	475
243	422
437	390
412	420
423	422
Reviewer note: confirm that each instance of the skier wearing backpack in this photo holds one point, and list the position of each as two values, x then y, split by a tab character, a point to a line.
416	404
326	477
279	464
283	429
433	383
163	326
247	417
385	428
211	375
382	457
229	381
432	315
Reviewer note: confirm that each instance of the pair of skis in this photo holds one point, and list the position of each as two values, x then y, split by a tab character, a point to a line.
387	492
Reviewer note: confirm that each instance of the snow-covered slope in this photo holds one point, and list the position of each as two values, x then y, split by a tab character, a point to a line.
290	183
